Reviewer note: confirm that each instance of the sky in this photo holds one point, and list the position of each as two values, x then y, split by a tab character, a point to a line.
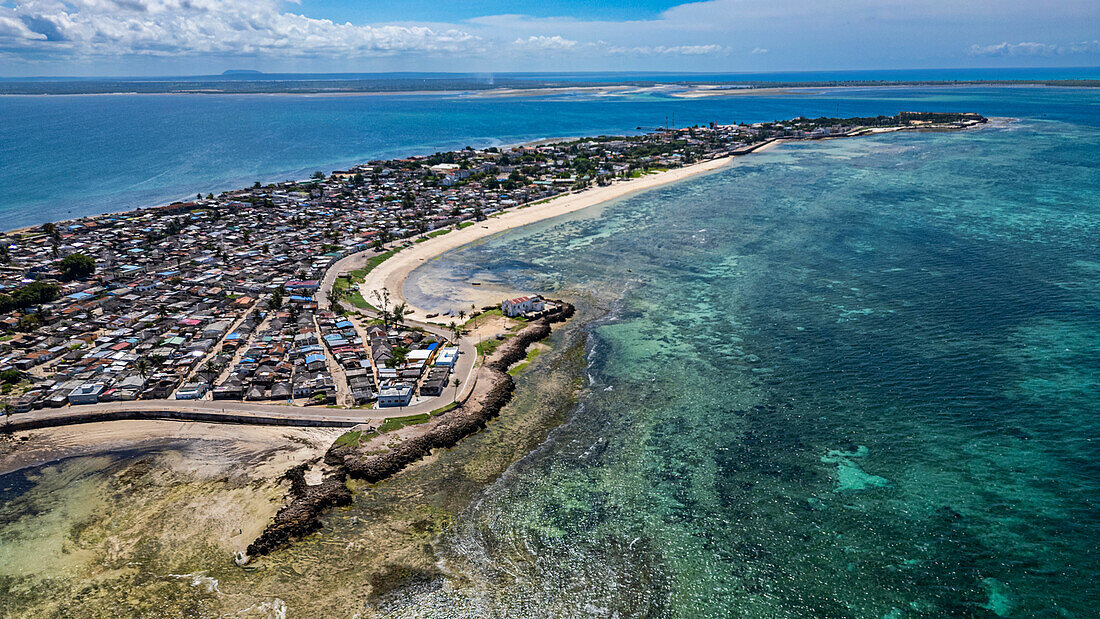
202	37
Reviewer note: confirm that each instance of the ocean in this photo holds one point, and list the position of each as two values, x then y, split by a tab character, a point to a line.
843	379
851	378
63	157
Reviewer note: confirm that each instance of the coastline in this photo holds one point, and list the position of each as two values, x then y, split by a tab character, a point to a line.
392	273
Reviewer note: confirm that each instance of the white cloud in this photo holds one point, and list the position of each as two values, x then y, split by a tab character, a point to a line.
1029	48
759	50
539	42
183	27
684	50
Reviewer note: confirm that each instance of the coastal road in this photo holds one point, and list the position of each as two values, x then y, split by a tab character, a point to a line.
467	358
224	411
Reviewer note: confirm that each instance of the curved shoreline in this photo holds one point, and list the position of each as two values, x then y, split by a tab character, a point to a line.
392	273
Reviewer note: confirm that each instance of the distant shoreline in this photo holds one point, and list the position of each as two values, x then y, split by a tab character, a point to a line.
47	88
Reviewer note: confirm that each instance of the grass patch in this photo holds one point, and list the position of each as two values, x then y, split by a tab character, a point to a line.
349	439
474	319
443	409
355	297
487	347
465	224
374	261
396	423
522	365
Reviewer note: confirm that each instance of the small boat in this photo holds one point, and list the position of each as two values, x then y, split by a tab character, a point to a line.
475	283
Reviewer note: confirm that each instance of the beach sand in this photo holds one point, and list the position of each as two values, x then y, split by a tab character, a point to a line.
392	273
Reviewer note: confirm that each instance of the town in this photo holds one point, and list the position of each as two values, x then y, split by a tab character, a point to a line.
225	297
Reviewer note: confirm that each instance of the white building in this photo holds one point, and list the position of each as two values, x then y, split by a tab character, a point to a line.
521	305
447	357
399	394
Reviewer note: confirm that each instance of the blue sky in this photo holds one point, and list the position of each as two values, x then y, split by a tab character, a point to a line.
193	37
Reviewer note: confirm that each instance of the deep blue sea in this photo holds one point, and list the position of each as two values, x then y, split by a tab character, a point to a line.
69	156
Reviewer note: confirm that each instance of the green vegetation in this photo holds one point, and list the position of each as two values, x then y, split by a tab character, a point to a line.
443	409
11	377
76	266
522	365
487	347
396	423
374	261
34	293
349	439
465	224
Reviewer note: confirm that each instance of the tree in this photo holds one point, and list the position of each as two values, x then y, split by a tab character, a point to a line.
462	315
399	312
456	383
143	366
211	368
276	300
383	299
76	266
319	175
453	328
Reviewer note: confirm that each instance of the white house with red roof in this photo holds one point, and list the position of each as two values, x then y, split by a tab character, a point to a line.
521	305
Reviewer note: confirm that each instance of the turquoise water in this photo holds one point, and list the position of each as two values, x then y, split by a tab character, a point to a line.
845	379
70	156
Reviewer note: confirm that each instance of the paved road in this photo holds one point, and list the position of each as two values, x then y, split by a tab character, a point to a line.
227	411
467	358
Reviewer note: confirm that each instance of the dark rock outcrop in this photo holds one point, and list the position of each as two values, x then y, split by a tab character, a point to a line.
299	517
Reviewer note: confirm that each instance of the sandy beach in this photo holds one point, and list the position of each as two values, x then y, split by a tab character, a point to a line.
392	273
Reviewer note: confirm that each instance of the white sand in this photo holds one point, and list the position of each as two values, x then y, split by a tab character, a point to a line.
392	273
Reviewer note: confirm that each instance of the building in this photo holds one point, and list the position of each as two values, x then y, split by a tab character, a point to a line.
521	305
447	357
87	393
399	394
191	391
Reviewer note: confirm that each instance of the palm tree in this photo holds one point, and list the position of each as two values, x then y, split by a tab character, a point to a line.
399	313
456	383
142	367
453	328
462	315
212	368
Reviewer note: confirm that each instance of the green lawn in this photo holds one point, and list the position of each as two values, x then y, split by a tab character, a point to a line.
351	439
487	347
396	423
443	409
531	356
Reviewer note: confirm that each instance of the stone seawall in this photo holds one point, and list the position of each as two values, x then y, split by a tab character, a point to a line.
494	390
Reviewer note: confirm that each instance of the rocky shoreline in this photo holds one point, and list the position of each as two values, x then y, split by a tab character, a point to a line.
305	504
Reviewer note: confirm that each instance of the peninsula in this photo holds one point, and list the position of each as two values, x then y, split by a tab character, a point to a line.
290	295
283	304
